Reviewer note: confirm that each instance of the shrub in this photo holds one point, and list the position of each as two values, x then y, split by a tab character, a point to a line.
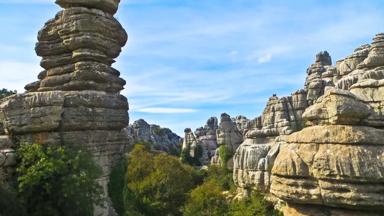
223	176
5	93
57	181
156	184
256	205
188	159
207	200
116	186
225	154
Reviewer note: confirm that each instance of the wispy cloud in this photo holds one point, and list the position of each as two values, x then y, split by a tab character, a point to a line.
199	58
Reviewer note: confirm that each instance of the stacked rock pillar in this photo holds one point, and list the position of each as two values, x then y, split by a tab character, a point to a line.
76	101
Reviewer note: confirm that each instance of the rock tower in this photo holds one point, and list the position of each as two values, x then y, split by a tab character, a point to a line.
76	101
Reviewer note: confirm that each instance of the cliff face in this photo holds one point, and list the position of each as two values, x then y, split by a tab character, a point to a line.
160	139
321	149
76	101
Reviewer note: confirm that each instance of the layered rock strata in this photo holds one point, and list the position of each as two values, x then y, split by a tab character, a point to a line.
321	149
76	101
228	132
336	161
206	136
160	139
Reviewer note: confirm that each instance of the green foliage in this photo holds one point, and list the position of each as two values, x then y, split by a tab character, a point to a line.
116	186
222	176
9	204
207	200
225	154
57	181
188	159
156	184
5	93
256	205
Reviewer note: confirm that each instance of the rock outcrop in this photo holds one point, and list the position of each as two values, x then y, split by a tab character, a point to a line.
321	149
336	161
76	101
208	139
160	139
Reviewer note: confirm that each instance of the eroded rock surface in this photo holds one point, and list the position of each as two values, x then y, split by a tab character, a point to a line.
76	100
160	139
335	161
321	150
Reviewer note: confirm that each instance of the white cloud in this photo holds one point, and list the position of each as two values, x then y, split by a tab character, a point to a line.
265	58
165	110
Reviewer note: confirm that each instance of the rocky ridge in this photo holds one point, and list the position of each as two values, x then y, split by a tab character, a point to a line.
320	150
160	139
76	100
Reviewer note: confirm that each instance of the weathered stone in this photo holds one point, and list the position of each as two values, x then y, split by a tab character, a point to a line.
335	165
78	47
109	6
160	139
77	100
228	133
351	62
336	107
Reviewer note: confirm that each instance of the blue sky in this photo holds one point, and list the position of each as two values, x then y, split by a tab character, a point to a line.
187	60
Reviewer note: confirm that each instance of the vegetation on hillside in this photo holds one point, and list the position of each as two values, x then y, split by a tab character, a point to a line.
5	93
160	184
52	180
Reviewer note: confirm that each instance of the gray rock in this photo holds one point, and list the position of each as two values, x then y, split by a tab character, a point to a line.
160	139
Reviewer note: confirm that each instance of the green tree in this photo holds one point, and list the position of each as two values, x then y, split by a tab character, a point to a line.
57	181
116	186
222	176
157	184
5	93
207	200
225	154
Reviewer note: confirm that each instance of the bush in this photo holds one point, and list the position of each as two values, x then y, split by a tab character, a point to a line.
256	205
207	200
116	186
192	161
223	176
225	154
156	184
5	93
57	181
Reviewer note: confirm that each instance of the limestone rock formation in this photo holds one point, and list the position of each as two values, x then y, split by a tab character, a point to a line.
206	137
76	101
321	149
190	144
228	134
160	139
336	160
254	158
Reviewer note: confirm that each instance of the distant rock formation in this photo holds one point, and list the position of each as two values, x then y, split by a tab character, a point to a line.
209	138
76	101
160	139
321	150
